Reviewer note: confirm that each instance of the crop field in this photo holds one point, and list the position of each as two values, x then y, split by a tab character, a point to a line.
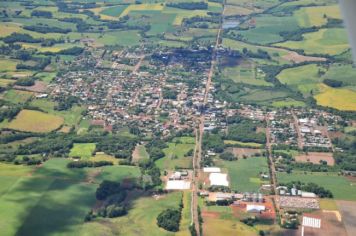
160	22
7	65
82	150
315	16
17	96
341	187
301	77
142	7
336	98
244	173
344	73
231	10
268	28
35	121
330	41
174	155
113	11
5	82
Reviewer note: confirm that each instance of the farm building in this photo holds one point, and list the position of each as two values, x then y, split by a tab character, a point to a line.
212	170
255	208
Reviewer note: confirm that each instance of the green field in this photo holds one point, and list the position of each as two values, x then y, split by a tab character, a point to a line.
341	187
82	150
246	74
302	78
114	11
244	173
17	96
316	16
35	121
53	199
140	220
268	28
174	154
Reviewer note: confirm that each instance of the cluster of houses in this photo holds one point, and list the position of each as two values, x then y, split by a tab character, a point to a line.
127	95
314	128
282	128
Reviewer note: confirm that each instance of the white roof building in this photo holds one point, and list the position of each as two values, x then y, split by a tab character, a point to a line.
212	170
218	179
177	185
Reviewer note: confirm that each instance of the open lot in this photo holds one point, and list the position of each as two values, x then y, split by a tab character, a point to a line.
246	152
316	158
35	121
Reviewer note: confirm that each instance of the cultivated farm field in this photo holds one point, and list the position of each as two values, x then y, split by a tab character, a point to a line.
35	121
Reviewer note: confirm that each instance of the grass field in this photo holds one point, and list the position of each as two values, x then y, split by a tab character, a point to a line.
174	155
244	173
35	121
341	188
83	150
330	41
338	98
246	74
142	7
114	11
6	82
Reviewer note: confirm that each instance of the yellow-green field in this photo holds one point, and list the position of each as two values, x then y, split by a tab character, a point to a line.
330	41
5	82
314	16
338	98
9	28
35	121
142	7
7	65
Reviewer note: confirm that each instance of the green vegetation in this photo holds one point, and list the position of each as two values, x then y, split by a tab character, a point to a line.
245	173
82	150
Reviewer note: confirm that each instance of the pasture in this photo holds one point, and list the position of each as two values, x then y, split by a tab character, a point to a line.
82	150
35	121
344	73
338	98
244	173
7	65
341	187
331	41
